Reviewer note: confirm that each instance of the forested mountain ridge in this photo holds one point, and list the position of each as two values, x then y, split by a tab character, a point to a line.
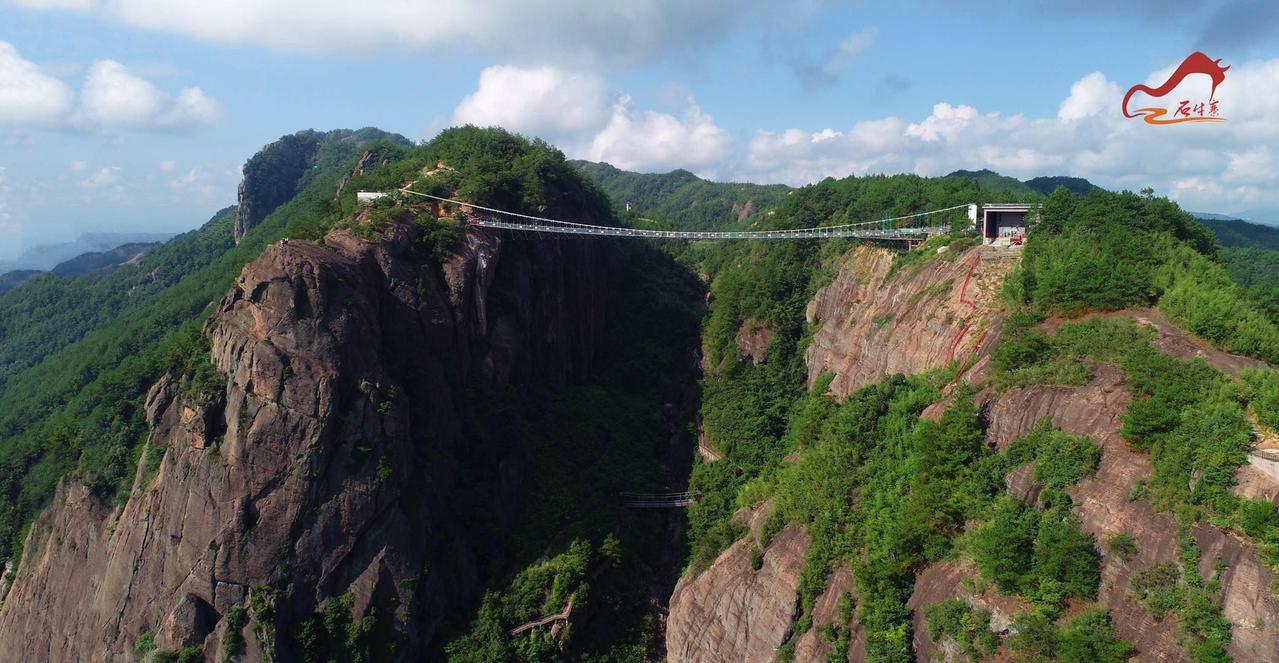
85	263
282	169
1236	233
1011	186
396	436
861	515
78	355
382	458
682	199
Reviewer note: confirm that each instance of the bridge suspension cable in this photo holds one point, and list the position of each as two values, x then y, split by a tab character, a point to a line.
878	229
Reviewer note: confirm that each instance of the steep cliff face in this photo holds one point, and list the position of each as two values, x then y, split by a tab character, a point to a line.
872	325
875	324
283	168
732	611
328	465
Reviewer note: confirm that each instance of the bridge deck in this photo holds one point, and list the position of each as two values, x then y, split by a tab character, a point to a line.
807	233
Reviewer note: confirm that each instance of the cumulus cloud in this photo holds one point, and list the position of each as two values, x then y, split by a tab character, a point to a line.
561	30
112	98
651	140
1090	95
1228	167
543	101
28	96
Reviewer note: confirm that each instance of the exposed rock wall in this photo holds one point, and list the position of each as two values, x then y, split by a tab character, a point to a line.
945	580
873	325
284	167
812	646
1105	505
732	612
327	465
920	318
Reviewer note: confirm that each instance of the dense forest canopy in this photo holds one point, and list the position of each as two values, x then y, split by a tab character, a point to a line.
683	200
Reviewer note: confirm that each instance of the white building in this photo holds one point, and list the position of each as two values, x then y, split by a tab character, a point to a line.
367	197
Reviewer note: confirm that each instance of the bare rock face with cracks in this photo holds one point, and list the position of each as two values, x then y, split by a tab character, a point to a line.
326	466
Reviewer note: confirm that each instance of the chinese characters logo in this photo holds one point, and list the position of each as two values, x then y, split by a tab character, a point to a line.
1182	110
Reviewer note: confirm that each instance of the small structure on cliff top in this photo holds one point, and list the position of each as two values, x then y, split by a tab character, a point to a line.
367	197
1005	223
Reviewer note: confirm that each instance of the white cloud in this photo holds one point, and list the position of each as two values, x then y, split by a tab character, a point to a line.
202	184
167	165
536	100
78	165
946	122
649	140
115	98
580	31
1090	95
101	179
28	96
1229	167
112	98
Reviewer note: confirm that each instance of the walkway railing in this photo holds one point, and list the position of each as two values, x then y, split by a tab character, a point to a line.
658	500
911	227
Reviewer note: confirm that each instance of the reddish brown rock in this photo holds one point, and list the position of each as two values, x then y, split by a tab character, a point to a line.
874	325
753	339
731	612
1171	340
1105	505
347	363
946	580
812	646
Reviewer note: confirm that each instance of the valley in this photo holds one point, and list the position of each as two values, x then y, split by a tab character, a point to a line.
325	429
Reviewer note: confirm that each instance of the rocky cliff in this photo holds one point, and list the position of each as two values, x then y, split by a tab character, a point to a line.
876	322
327	466
873	323
285	167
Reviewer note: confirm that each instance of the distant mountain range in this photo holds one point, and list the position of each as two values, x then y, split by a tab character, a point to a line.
45	256
1043	185
1237	233
85	263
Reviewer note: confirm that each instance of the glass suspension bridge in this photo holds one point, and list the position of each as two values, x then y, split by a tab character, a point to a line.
917	226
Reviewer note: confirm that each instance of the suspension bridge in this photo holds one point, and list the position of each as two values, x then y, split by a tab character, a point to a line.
658	500
912	228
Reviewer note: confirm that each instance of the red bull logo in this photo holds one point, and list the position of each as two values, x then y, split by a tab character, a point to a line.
1186	110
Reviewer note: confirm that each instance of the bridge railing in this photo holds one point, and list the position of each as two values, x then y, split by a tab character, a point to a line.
658	500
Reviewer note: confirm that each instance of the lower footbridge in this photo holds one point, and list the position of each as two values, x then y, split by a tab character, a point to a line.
658	500
912	228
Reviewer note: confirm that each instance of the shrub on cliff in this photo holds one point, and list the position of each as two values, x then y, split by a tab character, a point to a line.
1108	251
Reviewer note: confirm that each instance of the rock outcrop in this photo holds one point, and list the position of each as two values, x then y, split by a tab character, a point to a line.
875	324
732	612
753	339
1106	506
283	168
327	465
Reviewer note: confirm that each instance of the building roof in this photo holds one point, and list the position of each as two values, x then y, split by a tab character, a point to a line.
1011	207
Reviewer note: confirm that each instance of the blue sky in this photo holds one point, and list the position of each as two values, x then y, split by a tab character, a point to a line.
137	114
